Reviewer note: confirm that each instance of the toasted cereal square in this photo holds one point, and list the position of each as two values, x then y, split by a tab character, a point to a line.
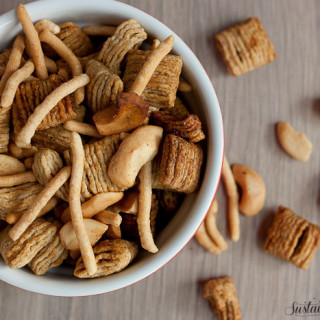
292	238
245	47
221	293
4	129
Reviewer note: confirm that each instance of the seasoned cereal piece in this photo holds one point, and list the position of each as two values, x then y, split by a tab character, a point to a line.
103	87
162	87
129	35
18	198
74	38
19	253
97	157
47	163
221	293
185	126
178	168
56	138
4	129
4	58
245	47
292	238
30	94
111	256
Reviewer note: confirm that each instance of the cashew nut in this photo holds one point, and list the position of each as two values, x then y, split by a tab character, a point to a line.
253	189
140	147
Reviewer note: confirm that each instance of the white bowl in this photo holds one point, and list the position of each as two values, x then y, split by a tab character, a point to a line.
186	221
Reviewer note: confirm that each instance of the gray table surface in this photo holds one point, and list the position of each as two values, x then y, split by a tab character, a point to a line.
287	89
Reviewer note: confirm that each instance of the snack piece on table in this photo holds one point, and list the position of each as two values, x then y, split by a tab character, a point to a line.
30	94
18	198
111	256
4	129
292	238
50	256
129	35
74	38
245	47
221	293
56	138
47	163
19	253
161	90
175	120
103	88
97	157
129	227
179	165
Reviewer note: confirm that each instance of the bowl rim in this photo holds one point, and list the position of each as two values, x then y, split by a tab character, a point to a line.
211	177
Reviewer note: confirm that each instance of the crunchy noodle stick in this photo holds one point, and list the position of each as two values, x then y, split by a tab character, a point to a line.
75	204
13	83
21	153
83	128
150	65
51	65
33	38
205	241
15	216
144	208
39	203
65	53
23	139
233	199
109	217
14	61
47	25
102	31
16	179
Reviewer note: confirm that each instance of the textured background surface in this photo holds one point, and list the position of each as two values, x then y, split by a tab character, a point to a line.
288	89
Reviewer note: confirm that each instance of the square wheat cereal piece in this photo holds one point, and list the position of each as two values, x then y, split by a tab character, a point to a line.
284	234
4	129
221	293
245	47
180	165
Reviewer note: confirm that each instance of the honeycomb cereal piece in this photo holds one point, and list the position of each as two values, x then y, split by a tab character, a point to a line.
4	129
47	163
245	47
30	94
111	256
18	198
19	253
97	157
221	293
161	90
292	238
129	35
178	168
103	87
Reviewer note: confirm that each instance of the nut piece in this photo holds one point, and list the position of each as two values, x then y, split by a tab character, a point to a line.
10	165
292	238
129	113
129	202
252	187
95	230
111	256
295	143
140	147
222	295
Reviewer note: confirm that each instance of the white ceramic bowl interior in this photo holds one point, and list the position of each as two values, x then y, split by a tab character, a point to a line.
184	224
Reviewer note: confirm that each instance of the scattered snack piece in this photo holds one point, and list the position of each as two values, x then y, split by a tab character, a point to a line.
5	115
111	256
23	138
109	217
47	24
245	47
179	167
101	31
34	41
233	200
294	143
140	147
10	165
292	238
4	58
83	128
221	293
113	232
129	35
21	153
17	254
253	190
28	162
129	202
16	179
